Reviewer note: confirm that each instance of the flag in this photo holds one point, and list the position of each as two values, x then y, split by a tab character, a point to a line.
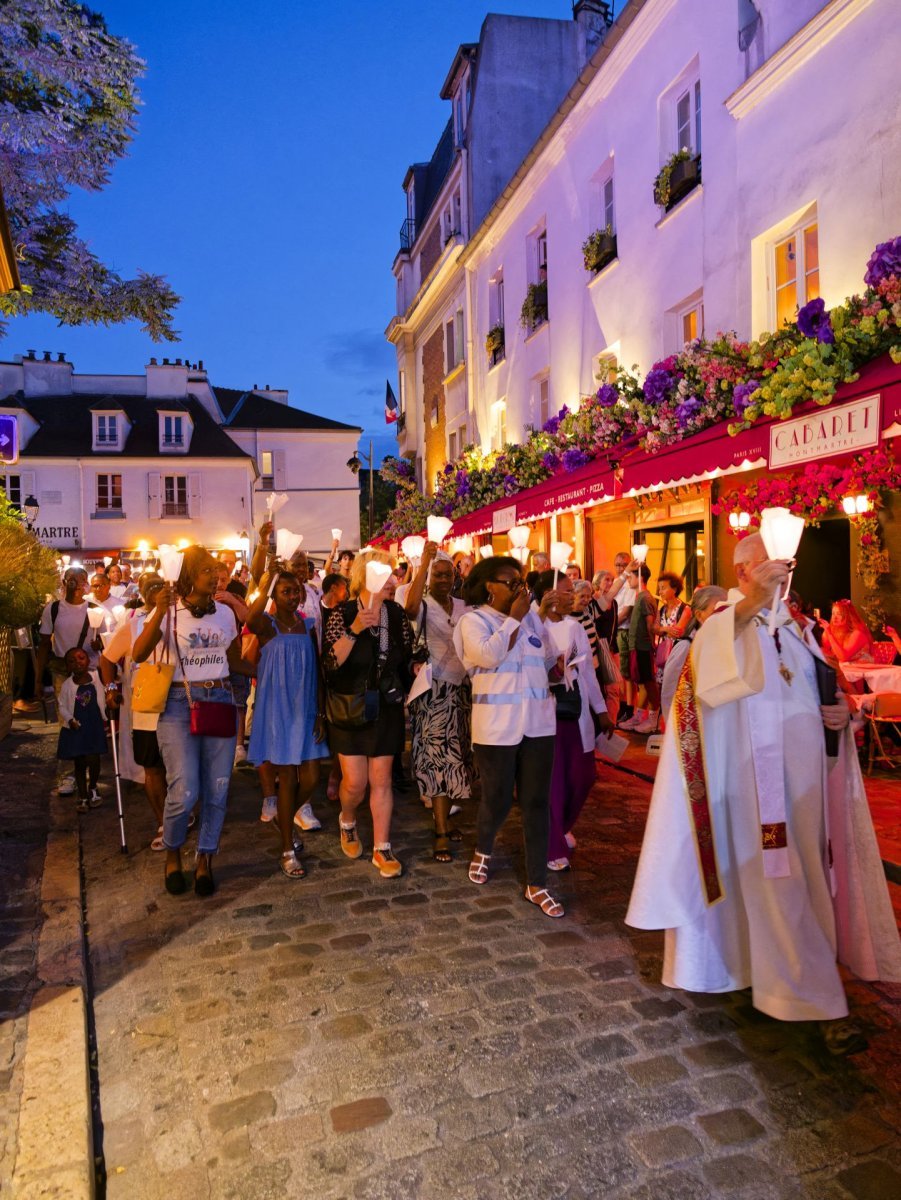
390	404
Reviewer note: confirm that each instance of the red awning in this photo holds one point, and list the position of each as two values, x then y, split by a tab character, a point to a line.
588	485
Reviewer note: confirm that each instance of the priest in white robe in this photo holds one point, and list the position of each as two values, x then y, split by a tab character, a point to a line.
759	856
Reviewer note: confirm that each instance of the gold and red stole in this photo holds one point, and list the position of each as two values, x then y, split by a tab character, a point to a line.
690	747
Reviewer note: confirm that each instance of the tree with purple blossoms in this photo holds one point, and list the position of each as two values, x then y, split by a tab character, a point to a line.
68	99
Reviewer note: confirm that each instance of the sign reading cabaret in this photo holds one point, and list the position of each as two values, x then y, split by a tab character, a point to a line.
828	431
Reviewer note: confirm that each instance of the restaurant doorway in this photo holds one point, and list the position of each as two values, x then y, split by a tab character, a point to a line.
823	573
680	548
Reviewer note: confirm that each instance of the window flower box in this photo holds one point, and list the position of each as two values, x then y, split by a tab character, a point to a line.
495	345
599	249
678	176
534	307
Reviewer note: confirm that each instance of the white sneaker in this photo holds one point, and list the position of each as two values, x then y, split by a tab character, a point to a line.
454	809
648	725
270	809
558	864
306	819
66	785
635	719
94	799
240	755
570	840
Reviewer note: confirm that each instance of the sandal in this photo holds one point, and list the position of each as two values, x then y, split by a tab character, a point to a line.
842	1037
455	835
442	851
478	868
157	843
291	866
545	901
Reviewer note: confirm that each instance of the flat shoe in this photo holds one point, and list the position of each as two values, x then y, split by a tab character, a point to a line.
543	899
176	883
203	884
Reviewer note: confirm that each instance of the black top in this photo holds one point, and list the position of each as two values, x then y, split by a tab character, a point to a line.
605	622
358	671
237	588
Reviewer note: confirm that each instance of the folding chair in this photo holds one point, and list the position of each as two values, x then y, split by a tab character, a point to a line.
885	709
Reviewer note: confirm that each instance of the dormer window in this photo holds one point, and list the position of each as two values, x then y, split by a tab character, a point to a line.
108	430
175	432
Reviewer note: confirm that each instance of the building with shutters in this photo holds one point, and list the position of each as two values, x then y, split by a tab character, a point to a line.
119	460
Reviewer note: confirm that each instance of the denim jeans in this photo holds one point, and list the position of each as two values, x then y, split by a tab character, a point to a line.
197	768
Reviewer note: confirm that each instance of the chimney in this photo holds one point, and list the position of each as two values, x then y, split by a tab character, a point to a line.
594	18
44	377
167	380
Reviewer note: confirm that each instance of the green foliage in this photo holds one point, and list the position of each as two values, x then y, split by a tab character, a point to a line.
664	175
28	572
534	307
494	340
597	250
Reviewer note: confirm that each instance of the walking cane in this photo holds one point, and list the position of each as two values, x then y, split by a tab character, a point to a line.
115	733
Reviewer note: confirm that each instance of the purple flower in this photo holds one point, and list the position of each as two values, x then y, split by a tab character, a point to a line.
449	468
550	461
885	261
741	396
463	485
657	385
510	485
551	426
575	458
607	395
448	510
687	409
564	412
403	468
813	321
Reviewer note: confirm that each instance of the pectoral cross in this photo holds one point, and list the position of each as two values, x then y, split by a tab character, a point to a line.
786	674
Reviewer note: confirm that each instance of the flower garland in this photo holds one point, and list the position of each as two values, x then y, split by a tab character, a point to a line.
709	382
816	492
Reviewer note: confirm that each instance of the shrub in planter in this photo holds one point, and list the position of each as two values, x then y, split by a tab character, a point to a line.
494	342
679	174
534	307
598	249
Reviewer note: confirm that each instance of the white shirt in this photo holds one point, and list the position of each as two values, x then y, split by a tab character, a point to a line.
66	632
203	644
439	633
510	695
625	598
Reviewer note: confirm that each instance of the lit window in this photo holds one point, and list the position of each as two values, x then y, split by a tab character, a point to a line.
796	272
500	425
544	401
606	372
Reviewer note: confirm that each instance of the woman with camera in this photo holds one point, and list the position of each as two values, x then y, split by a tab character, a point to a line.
504	646
367	652
440	717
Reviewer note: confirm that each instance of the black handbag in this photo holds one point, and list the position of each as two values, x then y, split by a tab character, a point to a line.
348	711
827	686
569	701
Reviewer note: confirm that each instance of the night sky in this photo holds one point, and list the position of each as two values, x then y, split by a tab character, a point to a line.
265	182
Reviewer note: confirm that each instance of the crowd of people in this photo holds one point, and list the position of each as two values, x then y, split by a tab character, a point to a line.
509	683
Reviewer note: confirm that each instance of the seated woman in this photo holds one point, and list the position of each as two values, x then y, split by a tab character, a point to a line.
845	636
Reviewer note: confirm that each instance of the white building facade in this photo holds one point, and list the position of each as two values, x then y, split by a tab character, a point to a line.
792	175
118	462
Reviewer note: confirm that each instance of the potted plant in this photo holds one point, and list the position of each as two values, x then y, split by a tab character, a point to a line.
494	344
599	248
534	307
28	576
679	175
401	422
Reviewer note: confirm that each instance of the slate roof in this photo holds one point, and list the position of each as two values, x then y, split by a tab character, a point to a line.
259	412
66	427
228	398
439	165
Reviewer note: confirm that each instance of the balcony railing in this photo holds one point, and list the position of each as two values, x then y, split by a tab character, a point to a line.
174	439
407	233
175	508
401	423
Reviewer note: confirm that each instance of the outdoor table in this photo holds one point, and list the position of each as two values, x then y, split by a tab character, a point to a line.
879	677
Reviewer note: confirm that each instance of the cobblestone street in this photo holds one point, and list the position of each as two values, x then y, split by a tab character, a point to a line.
349	1036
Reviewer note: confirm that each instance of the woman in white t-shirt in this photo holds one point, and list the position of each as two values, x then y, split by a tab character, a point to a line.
201	641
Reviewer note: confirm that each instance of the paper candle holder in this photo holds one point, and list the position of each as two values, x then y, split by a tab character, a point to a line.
518	536
376	577
96	617
486	551
276	501
336	535
781	531
170	563
438	528
640	552
287	544
413	547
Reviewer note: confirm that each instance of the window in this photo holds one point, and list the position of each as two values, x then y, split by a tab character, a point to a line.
606	368
450	348
458	214
691	322
451	447
795	272
173	431
499	433
402	391
107	430
267	474
544	401
458	334
684	323
608	213
109	493
541	256
175	496
688	119
459	124
12	486
496	299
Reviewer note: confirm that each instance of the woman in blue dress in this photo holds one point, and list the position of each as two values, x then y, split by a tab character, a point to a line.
288	723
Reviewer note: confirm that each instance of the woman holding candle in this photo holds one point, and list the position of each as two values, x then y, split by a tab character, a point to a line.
367	649
200	640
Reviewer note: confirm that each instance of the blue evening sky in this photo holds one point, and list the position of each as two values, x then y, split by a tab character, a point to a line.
264	182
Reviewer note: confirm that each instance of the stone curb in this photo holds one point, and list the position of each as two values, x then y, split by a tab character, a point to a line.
55	1151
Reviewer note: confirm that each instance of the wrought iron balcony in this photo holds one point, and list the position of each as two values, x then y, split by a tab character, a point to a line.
407	233
175	508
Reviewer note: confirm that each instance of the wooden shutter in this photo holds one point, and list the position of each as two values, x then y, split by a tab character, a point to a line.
26	483
278	468
195	494
154	496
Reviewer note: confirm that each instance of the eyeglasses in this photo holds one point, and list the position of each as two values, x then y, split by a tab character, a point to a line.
512	584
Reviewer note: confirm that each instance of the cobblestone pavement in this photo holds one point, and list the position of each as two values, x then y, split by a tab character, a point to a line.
27	770
349	1036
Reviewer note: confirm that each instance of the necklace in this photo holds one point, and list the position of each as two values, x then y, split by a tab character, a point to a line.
786	674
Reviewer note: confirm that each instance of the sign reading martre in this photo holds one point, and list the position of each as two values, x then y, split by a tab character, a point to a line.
829	431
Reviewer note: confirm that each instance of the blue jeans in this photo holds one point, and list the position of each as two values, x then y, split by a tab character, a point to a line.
197	768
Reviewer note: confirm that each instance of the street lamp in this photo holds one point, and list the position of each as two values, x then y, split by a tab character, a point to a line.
354	464
31	509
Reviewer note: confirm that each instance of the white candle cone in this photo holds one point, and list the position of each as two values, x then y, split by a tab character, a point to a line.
336	535
67	558
781	532
412	548
486	551
120	613
276	501
560	555
640	552
286	544
521	554
518	536
561	635
376	577
438	528
107	561
96	617
170	563
106	638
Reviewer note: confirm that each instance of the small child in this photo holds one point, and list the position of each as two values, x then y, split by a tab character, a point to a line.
82	737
